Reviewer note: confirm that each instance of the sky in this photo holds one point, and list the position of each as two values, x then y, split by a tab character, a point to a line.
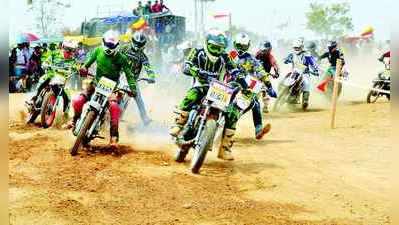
260	16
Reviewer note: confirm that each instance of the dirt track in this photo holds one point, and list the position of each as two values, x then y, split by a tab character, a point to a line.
316	176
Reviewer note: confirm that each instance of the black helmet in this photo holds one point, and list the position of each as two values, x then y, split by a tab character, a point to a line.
311	45
332	45
267	45
139	40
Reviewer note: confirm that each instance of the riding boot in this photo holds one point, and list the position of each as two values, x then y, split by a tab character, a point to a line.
226	145
180	120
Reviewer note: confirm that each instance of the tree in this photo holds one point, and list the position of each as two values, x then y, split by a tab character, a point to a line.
331	21
48	17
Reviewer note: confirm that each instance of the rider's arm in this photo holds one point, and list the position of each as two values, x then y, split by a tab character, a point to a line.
148	68
128	73
274	64
92	58
311	63
190	67
289	59
232	68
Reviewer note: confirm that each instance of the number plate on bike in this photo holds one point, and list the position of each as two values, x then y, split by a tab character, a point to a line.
105	86
220	95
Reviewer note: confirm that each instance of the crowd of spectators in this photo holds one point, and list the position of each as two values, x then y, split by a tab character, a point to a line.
26	63
149	8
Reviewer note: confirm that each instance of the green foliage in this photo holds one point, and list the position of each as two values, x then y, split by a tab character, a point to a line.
332	20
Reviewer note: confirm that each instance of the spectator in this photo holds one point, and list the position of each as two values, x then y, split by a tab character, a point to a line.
35	62
80	53
139	11
163	6
147	8
156	8
21	61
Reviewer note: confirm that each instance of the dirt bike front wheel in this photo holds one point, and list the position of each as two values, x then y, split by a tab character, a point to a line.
87	123
48	112
205	143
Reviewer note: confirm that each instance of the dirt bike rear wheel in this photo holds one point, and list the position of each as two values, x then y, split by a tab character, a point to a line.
47	116
88	121
205	142
373	96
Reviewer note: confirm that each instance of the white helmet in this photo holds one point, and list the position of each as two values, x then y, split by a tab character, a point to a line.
242	43
69	44
297	45
110	41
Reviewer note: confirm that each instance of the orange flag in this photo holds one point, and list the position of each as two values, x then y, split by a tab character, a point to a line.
324	84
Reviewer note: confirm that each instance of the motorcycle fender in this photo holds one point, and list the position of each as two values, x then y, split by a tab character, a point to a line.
95	105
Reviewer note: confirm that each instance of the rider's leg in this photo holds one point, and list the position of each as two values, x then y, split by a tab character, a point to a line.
306	90
193	97
232	116
141	106
260	130
78	102
115	113
66	96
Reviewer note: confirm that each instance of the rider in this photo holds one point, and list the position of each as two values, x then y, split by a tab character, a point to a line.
110	63
265	56
332	55
203	64
250	65
53	56
306	64
137	61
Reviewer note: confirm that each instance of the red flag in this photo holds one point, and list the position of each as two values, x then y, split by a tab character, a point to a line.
323	85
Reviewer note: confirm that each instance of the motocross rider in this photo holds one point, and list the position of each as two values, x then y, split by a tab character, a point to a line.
306	64
250	65
55	56
110	63
265	56
203	64
138	60
332	55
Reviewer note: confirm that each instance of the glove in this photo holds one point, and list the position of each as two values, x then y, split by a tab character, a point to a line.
381	59
83	72
275	76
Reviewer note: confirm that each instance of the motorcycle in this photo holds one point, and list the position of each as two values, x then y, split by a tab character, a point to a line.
205	119
290	90
94	112
382	82
49	99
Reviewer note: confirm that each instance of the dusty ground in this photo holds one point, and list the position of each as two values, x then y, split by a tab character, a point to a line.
301	173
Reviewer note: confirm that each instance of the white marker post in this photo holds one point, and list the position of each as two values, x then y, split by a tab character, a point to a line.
337	78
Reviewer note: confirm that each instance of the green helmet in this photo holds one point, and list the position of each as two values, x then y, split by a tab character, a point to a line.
215	44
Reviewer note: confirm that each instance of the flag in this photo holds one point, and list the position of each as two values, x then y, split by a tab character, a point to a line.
323	85
367	31
222	15
139	24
